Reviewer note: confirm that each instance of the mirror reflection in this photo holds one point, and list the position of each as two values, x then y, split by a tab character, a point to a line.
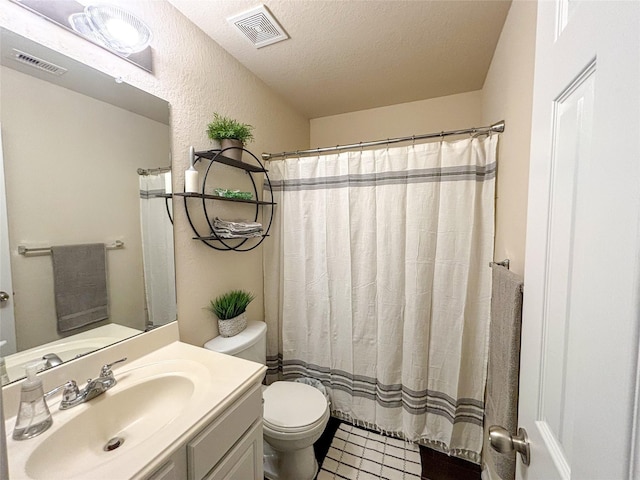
86	160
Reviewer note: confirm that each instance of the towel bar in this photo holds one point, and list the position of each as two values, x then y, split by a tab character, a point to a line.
504	263
22	250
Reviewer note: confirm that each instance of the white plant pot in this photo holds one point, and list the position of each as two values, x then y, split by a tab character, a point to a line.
232	326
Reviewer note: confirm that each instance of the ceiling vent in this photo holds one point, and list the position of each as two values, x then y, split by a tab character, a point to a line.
259	26
38	63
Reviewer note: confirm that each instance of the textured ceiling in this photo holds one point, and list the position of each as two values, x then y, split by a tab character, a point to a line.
349	55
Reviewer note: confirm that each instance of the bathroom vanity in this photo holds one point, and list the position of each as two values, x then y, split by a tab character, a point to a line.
177	412
230	447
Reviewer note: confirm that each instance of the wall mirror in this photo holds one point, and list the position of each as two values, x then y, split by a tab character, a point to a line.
85	159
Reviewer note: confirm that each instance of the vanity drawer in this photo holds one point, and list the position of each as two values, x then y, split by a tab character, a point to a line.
210	445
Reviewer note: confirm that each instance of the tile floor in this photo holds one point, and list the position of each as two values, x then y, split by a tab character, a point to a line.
357	454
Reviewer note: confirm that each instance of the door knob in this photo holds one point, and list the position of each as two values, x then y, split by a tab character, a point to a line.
502	441
4	296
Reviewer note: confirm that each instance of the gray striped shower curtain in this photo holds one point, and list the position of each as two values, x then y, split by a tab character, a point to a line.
377	283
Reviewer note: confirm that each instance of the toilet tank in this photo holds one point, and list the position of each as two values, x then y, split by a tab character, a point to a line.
250	344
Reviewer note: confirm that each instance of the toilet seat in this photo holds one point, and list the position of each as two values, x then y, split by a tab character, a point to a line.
291	407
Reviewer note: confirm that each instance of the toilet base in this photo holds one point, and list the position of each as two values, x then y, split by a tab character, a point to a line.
294	465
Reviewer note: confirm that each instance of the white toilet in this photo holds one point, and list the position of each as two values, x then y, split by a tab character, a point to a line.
295	414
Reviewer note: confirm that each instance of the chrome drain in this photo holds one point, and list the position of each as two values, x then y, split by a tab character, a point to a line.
114	443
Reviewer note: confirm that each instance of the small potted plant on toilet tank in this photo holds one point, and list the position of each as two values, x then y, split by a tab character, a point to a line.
230	133
230	308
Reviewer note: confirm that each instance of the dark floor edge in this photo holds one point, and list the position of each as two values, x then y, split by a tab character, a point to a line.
435	465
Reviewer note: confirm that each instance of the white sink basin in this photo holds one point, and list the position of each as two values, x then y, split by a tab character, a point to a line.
160	400
131	416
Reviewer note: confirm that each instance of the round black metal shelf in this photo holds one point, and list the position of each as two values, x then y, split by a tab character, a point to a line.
234	244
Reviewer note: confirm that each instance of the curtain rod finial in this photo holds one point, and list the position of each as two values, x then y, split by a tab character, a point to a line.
498	127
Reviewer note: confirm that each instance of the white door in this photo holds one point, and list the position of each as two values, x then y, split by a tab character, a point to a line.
7	324
580	319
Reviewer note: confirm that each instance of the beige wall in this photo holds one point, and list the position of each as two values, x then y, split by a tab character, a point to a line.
198	78
405	119
64	186
507	94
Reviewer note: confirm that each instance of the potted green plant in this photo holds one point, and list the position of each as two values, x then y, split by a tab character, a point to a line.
230	308
230	133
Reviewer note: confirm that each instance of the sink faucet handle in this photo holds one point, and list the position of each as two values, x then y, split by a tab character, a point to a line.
105	371
70	392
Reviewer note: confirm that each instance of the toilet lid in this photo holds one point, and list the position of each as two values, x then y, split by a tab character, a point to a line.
291	406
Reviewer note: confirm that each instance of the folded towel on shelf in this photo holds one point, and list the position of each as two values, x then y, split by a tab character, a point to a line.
223	234
237	226
80	285
237	229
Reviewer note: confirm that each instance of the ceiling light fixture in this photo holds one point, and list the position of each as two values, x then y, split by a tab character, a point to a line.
112	27
108	26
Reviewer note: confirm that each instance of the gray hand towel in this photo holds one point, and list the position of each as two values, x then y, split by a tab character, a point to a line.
80	285
501	397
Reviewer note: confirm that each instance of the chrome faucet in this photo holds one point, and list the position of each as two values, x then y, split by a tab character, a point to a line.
51	360
72	395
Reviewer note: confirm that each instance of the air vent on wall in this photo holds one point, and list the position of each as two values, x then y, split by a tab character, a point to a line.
259	26
36	62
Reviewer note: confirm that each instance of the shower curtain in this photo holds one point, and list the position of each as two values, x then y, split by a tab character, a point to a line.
377	283
157	251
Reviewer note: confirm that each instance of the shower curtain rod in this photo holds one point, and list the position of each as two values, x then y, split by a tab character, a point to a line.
495	128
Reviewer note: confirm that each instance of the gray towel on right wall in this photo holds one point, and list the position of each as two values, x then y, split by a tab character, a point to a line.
501	397
80	285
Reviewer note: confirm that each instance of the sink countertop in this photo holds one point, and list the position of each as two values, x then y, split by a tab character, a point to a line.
219	380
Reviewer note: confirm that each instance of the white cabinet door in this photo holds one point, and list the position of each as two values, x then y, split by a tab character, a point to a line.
207	449
168	472
580	318
244	461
